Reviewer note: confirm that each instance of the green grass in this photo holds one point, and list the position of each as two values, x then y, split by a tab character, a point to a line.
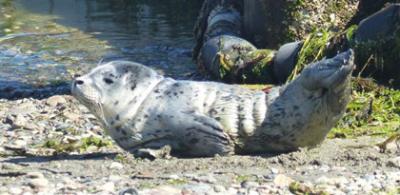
373	110
313	49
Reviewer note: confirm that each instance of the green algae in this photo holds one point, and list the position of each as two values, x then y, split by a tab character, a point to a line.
259	66
80	145
350	33
177	182
249	67
300	188
242	178
256	86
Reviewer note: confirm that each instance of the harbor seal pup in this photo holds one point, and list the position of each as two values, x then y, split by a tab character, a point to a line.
141	109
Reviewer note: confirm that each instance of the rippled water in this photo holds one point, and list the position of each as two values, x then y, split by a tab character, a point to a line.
44	42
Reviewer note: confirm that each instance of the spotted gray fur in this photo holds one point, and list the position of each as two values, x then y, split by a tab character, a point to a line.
141	109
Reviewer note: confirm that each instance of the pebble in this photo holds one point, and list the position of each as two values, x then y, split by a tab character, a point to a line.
249	184
282	180
323	180
205	178
23	108
108	187
114	178
394	162
71	116
173	177
335	180
167	190
55	101
15	190
34	175
219	188
20	143
252	192
274	170
129	191
39	183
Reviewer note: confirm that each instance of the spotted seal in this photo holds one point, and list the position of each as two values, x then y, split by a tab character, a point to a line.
142	109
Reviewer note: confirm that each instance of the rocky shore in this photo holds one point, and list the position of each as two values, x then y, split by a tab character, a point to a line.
54	146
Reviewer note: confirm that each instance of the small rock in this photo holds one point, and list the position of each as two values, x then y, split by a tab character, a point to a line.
20	143
116	165
109	187
232	191
249	184
27	193
129	191
15	190
23	108
39	183
173	177
71	184
219	188
16	121
323	180
205	178
253	192
163	190
56	100
394	162
274	170
114	178
325	168
199	188
18	150
10	166
35	175
163	153
282	180
71	116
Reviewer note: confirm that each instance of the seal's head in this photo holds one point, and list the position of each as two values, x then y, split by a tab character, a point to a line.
107	89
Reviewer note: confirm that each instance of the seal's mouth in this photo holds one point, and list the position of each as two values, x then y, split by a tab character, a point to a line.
89	97
84	94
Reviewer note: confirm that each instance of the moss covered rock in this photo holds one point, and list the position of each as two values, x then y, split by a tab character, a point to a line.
271	23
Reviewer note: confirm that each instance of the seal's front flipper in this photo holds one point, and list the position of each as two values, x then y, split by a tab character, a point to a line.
204	136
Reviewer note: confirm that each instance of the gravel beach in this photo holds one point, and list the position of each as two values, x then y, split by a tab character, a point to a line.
55	146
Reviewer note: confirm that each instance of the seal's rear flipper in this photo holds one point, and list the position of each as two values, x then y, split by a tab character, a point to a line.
328	73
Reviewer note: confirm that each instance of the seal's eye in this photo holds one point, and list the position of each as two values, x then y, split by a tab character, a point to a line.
108	81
